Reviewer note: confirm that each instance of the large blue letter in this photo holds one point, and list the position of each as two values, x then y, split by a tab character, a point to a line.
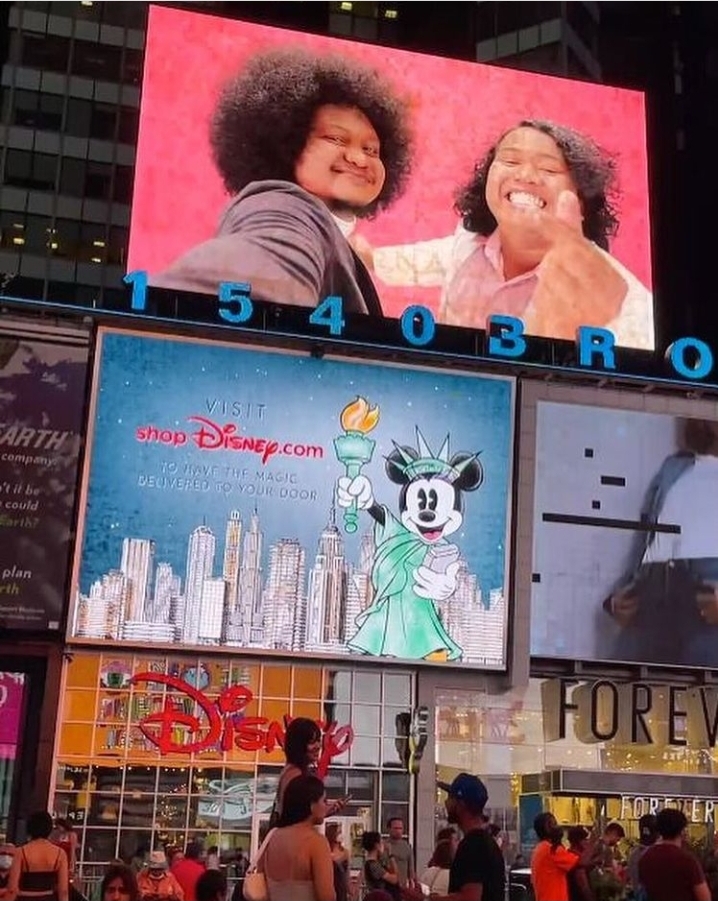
704	358
235	293
592	341
510	341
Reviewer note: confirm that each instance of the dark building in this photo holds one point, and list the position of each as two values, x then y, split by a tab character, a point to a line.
71	91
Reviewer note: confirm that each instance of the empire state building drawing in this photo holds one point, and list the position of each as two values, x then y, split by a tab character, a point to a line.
327	592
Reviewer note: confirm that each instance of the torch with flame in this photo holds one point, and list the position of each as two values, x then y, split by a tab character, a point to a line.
354	448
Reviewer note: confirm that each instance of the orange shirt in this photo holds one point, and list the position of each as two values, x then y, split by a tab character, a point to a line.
549	866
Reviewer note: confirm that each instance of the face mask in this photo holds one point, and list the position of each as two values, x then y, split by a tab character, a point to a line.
5	861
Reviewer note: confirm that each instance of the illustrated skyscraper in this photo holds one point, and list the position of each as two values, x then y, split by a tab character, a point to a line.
284	598
136	566
327	594
250	584
200	563
230	566
167	592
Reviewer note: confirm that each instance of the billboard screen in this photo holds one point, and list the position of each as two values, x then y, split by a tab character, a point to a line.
42	401
309	167
625	564
278	502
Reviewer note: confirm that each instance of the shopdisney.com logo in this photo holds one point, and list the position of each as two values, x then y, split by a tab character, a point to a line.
212	436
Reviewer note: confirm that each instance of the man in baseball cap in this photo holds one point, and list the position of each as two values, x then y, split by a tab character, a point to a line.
478	872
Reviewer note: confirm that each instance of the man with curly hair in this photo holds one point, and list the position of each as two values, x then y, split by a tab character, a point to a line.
305	145
536	218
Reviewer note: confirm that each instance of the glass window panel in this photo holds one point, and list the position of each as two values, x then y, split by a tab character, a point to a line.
79	117
360	786
276	682
132	841
44	51
75	740
79	706
393	751
391	810
60	291
132	66
117	255
100	845
173	779
102	122
395	787
22	286
202	776
93	243
128	125
137	809
38	233
339	713
44	172
310	709
12	230
99	61
98	181
307	682
72	177
171	811
50	116
25	108
364	751
367	688
66	237
367	720
124	180
18	167
72	777
397	689
140	779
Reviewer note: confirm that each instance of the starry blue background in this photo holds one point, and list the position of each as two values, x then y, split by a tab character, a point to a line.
161	381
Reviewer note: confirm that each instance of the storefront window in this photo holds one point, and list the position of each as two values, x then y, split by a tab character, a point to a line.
147	759
526	743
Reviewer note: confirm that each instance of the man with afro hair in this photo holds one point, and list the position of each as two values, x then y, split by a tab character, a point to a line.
305	144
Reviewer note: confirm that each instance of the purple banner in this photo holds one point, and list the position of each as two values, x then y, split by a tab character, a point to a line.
42	394
12	689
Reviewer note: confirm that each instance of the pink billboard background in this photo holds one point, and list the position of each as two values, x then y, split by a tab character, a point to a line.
12	688
459	110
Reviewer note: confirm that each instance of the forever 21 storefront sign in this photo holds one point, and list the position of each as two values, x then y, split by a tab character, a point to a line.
630	713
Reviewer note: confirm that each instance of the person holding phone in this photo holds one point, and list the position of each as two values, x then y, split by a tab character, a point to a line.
302	748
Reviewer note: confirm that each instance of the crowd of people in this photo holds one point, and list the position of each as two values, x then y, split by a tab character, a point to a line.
302	858
661	867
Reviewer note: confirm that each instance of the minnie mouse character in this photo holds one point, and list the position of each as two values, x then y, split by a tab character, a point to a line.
414	565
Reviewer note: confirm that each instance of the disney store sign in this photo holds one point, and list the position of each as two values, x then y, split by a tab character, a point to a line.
189	722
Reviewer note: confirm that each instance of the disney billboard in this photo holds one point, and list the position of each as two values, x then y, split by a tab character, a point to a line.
280	503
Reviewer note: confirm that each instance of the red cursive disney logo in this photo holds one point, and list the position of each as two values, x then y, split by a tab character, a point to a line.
222	725
211	436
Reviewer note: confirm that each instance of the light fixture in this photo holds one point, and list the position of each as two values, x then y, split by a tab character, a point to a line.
391	13
346	7
86	2
98	243
18	225
54	245
18	240
95	260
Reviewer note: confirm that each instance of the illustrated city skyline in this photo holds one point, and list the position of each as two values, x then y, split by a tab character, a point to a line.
239	594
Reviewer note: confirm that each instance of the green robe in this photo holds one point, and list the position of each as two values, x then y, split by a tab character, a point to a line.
399	623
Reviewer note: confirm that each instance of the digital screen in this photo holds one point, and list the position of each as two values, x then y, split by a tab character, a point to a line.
275	502
625	559
42	403
308	167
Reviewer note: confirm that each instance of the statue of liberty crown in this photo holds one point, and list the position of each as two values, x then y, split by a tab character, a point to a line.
428	463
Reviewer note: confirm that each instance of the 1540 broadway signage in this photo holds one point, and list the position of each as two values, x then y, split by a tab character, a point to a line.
630	713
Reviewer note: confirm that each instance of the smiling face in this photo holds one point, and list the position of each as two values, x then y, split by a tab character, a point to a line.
340	163
429	509
528	173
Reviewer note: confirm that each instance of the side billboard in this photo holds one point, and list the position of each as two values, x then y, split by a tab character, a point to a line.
277	502
306	167
625	557
42	402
